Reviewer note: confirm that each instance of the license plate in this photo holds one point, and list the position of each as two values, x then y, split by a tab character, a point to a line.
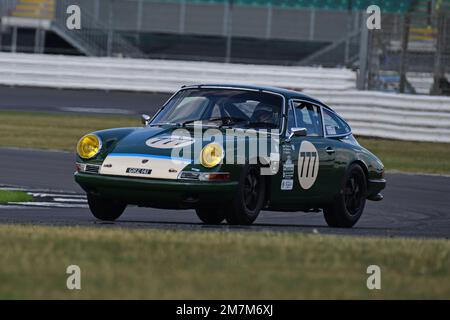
139	171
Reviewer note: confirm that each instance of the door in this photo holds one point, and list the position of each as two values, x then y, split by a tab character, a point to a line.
306	162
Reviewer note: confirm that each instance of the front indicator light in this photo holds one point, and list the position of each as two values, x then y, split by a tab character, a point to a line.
89	146
222	176
211	155
80	167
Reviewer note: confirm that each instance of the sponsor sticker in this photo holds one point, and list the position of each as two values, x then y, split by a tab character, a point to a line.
169	142
287	184
331	130
288	169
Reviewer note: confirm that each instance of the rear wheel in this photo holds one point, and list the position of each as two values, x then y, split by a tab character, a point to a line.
348	205
105	209
249	198
210	216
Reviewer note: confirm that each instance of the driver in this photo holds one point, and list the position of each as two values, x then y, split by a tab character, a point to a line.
263	115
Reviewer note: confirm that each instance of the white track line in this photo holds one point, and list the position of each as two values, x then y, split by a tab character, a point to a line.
53	195
69	200
12	189
96	110
11	207
49	204
56	199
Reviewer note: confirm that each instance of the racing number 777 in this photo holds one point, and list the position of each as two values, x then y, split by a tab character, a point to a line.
304	156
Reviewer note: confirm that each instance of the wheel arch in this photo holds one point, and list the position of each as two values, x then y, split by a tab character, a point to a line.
262	162
363	167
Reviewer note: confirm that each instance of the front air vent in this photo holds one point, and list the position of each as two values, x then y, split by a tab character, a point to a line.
92	168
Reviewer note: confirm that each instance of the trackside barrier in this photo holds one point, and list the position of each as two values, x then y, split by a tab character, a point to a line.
377	114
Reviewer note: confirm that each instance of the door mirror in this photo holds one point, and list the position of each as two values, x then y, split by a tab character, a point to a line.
145	118
298	132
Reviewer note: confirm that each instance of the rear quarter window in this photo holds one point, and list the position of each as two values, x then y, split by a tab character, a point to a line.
334	125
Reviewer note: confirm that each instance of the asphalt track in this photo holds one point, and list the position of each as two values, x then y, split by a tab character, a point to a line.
80	101
414	205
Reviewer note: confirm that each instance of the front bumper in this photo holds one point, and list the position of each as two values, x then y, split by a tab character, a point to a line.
160	193
374	187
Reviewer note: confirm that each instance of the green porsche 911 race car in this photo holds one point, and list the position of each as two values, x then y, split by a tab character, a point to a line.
229	152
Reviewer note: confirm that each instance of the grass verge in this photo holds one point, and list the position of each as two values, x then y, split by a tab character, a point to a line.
410	156
14	196
62	131
163	264
58	131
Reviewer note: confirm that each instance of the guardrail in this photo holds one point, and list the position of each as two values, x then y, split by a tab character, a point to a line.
390	115
386	115
158	75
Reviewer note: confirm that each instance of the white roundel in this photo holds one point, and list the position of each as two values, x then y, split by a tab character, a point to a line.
169	142
308	165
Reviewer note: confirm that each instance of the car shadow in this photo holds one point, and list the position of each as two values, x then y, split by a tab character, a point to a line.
253	227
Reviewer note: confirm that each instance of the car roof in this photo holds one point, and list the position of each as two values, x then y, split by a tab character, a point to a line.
288	94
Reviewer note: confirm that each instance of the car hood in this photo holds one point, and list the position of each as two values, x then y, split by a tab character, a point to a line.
162	140
160	152
154	140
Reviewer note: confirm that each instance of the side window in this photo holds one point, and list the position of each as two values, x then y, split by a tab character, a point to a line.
308	116
334	125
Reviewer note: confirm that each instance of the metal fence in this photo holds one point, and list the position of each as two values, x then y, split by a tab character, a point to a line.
6	6
411	53
221	31
217	18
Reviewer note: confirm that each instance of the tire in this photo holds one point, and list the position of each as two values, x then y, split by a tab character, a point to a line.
249	198
210	216
348	205
105	209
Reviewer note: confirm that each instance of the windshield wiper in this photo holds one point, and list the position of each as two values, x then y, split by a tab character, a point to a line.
178	124
225	121
183	124
160	124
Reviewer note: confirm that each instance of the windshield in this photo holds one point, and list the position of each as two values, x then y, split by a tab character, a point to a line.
223	107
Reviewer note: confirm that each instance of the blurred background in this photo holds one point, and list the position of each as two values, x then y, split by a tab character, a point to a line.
409	54
380	80
130	56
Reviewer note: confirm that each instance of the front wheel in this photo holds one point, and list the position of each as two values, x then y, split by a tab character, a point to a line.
105	209
249	198
348	205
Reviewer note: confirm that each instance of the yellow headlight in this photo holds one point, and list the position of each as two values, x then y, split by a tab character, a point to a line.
89	146
211	155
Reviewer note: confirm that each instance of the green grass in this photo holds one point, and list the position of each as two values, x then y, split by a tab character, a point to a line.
39	130
62	131
14	196
410	156
161	264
